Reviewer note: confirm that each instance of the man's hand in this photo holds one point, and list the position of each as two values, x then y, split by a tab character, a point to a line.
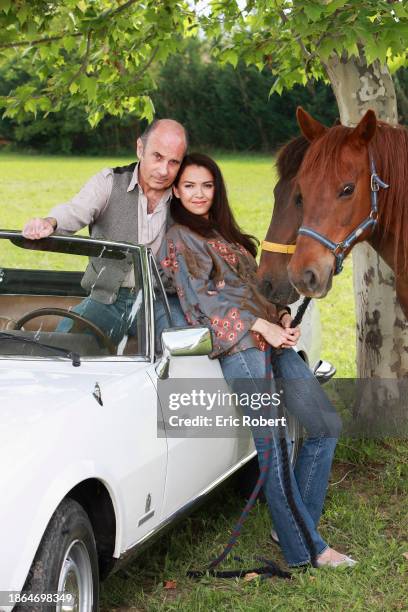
274	334
38	228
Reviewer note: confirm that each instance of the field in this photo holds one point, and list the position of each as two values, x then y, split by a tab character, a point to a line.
365	513
31	185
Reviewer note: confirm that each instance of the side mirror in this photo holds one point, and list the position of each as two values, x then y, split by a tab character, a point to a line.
183	342
324	371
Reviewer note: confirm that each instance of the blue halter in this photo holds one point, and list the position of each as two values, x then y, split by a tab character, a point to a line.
339	248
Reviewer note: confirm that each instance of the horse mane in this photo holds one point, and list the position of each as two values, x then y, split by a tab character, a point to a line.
389	148
290	157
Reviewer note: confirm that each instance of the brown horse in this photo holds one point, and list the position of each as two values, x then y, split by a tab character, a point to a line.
337	186
279	243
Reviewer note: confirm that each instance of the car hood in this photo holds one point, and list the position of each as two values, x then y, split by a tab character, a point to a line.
47	404
34	390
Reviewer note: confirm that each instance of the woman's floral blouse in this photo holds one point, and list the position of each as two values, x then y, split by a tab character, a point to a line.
217	286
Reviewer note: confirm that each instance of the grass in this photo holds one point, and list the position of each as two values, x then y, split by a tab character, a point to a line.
32	184
365	512
365	515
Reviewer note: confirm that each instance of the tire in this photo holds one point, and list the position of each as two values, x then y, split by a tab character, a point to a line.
248	475
247	478
66	560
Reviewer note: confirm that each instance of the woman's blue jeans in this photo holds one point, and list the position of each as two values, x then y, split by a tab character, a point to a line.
304	399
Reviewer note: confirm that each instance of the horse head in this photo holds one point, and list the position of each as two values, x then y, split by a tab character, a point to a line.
333	192
284	225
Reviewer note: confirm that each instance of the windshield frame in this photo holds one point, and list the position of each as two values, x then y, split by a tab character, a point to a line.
138	251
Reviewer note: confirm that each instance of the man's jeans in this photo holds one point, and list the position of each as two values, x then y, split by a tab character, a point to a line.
310	477
113	319
161	319
118	319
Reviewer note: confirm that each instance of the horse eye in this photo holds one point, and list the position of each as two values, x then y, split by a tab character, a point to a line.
298	200
347	190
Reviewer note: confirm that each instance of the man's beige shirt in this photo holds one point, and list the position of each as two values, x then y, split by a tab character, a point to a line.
91	201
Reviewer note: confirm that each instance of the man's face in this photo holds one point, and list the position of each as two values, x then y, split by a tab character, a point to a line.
160	158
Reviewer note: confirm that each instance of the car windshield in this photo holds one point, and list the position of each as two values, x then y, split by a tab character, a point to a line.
78	296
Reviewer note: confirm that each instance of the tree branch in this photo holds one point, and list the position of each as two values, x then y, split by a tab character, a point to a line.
116	11
85	59
47	39
140	73
39	41
307	55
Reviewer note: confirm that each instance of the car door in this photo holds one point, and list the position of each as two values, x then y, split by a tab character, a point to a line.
195	464
141	455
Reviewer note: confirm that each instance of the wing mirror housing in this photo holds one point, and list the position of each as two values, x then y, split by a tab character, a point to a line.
183	342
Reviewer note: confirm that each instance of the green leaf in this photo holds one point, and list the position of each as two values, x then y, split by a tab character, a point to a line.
106	74
5	5
82	5
313	11
73	88
69	43
45	104
94	118
10	112
148	109
23	14
396	63
382	48
351	48
91	87
30	106
326	48
230	56
24	91
333	5
277	87
400	10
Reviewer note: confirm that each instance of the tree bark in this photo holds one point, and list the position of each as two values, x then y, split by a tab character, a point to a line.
382	335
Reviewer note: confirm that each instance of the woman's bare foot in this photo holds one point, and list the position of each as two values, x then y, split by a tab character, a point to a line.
332	558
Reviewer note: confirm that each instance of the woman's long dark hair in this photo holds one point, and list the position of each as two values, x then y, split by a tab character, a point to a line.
220	217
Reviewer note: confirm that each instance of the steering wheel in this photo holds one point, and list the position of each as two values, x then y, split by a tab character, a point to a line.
62	312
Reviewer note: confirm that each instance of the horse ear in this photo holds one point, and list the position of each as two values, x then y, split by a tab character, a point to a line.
310	128
365	130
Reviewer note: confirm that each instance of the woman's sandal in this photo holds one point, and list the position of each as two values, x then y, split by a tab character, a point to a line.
344	562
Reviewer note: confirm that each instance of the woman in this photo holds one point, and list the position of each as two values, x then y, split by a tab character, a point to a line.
212	265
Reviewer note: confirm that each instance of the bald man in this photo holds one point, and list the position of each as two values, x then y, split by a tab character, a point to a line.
130	204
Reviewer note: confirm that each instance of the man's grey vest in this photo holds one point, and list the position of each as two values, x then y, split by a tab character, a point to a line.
119	222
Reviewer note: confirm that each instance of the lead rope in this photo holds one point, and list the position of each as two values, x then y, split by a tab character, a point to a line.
270	568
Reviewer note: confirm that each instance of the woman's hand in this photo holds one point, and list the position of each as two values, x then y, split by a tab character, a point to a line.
276	335
285	322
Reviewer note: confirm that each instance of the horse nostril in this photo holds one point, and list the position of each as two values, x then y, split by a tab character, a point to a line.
310	279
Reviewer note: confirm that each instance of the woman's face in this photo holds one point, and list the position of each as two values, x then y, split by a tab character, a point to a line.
195	190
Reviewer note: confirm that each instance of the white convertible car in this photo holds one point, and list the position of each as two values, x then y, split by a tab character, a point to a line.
85	479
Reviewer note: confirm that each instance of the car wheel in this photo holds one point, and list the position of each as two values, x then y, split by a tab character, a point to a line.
248	475
66	562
